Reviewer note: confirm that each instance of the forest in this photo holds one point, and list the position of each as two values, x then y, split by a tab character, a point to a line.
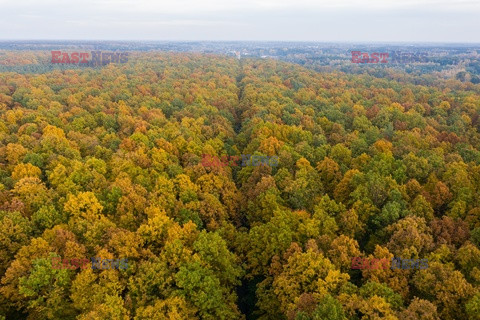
107	163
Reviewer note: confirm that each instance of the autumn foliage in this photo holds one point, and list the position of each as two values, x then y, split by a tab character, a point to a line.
107	163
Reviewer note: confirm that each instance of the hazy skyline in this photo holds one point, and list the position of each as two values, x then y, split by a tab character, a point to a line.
283	20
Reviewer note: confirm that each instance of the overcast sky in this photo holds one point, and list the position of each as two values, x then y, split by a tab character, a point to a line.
298	20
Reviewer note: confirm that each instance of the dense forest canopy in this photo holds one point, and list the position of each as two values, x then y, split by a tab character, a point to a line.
106	162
